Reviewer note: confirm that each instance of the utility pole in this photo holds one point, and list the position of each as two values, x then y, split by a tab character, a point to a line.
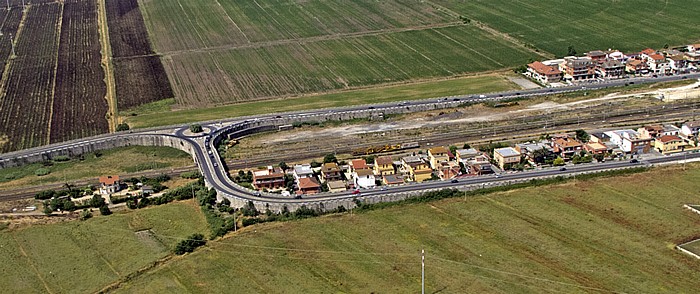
422	271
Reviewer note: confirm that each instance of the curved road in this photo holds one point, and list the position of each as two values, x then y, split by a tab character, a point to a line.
204	149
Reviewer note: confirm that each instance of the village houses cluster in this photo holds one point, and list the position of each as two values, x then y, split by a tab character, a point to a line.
612	64
442	163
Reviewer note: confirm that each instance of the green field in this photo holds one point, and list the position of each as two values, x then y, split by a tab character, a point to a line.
80	257
159	114
182	25
601	235
553	25
110	162
238	75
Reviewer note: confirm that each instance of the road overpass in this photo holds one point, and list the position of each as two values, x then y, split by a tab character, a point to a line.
202	147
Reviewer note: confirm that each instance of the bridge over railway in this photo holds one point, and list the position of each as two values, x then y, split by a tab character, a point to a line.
202	148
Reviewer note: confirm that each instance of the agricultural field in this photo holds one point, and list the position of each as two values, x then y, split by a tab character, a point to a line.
239	75
604	235
26	105
108	162
85	256
53	88
77	105
139	75
186	25
553	25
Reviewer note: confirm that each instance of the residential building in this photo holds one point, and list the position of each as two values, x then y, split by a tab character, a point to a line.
693	48
364	178
597	55
535	152
336	186
690	129
331	172
449	170
480	165
416	168
109	184
438	155
671	130
506	157
617	55
383	165
465	155
657	63
668	143
309	186
566	147
579	68
655	131
356	164
269	178
610	68
596	148
146	189
544	73
678	64
302	171
630	141
693	59
636	66
393	179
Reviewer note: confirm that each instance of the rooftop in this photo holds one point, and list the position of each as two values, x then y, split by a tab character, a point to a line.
109	180
364	172
358	163
393	179
308	183
438	150
383	160
303	169
507	152
669	138
544	69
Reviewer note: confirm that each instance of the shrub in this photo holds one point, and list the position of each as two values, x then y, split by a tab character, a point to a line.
45	195
122	127
190	175
189	244
42	172
60	158
104	210
85	214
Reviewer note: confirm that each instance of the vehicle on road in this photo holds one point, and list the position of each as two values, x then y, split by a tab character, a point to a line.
634	161
562	169
454	181
357	191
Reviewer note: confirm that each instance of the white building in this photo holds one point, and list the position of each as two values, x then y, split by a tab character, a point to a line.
364	178
302	171
690	129
630	141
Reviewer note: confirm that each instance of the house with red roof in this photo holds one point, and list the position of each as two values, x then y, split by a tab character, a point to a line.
544	73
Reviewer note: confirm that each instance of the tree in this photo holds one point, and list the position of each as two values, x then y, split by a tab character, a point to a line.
104	210
47	208
559	161
453	149
466	146
571	51
97	201
582	136
330	157
189	244
283	165
315	164
196	128
85	214
122	127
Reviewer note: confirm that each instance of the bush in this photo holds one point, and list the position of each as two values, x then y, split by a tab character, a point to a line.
42	172
122	127
104	210
85	214
196	128
60	158
189	244
190	175
45	195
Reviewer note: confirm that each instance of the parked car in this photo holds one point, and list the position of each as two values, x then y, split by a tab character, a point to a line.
634	161
454	181
356	192
562	169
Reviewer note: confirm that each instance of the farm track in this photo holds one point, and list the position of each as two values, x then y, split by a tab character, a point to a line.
106	62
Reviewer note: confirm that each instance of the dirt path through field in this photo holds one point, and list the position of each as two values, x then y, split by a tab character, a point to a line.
24	253
111	96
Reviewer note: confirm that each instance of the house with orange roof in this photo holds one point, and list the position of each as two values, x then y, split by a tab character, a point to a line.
109	184
544	73
309	186
566	147
669	143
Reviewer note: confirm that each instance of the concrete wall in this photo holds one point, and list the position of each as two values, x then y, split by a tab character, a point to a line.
89	146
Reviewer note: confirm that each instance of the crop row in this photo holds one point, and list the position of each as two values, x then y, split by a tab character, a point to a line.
325	65
26	105
587	25
140	80
181	25
79	106
10	24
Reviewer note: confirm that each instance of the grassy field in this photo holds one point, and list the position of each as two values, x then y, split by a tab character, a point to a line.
603	235
146	115
139	158
81	257
553	25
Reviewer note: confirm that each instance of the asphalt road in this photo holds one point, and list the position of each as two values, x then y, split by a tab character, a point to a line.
213	170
